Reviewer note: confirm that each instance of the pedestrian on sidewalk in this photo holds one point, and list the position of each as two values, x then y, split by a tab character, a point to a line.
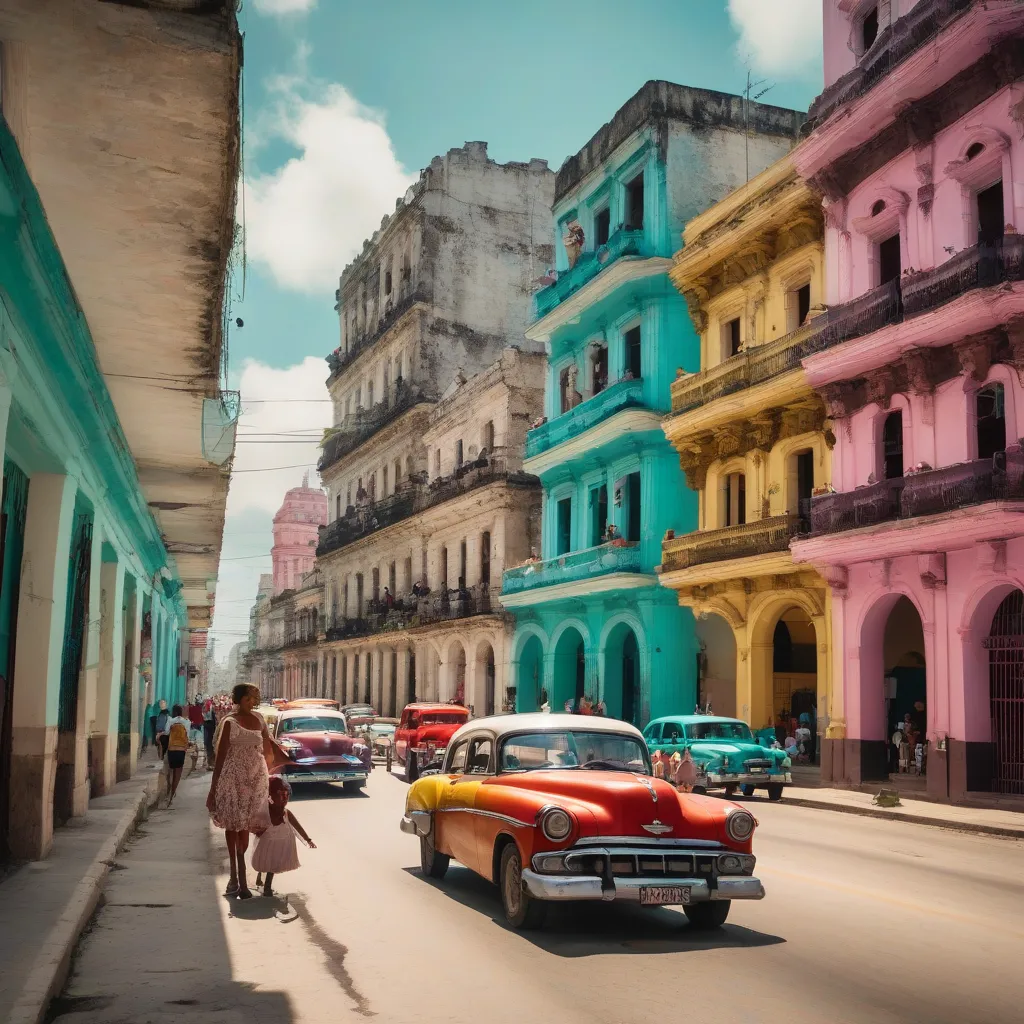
162	715
177	747
276	849
238	790
209	728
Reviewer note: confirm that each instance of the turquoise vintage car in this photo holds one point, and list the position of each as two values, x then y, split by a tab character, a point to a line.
726	748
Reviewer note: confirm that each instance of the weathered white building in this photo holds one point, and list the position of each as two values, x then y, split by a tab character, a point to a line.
411	580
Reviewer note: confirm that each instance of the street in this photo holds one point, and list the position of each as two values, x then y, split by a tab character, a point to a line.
864	921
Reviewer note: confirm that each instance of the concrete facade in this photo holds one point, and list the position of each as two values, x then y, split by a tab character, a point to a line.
591	617
919	368
102	294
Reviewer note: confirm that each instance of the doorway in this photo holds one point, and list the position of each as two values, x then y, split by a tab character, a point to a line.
1006	693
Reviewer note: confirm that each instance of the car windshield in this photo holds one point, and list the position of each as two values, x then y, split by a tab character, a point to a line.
382	730
440	718
719	731
574	749
311	723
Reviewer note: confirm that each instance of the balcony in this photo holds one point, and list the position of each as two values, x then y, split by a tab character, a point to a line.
411	612
763	537
617	556
414	497
365	423
405	299
624	394
866	314
745	370
928	493
588	266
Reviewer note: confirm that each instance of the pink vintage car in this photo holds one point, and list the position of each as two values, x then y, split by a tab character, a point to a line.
320	749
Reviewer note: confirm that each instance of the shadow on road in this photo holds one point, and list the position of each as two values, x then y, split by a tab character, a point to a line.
595	929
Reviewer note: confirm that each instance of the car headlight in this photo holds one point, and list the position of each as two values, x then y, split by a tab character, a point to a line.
739	826
555	823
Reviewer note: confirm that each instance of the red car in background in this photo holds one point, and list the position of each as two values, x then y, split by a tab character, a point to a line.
423	733
320	749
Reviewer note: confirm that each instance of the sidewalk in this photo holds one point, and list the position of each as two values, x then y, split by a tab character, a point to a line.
45	905
920	812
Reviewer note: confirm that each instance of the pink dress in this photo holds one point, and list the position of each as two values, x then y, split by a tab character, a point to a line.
241	795
276	850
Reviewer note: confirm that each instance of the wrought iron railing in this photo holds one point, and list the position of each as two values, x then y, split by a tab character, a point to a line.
623	394
617	556
864	315
758	538
588	266
865	506
754	366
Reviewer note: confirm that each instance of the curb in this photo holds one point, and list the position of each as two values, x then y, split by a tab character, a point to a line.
1005	831
53	962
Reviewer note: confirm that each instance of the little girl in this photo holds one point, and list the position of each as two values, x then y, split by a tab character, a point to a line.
275	848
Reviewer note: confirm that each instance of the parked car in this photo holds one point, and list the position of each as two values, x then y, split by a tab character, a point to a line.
731	757
359	711
423	733
381	734
269	713
557	807
320	750
313	702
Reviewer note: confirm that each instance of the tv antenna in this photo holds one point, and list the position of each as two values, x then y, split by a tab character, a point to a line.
754	91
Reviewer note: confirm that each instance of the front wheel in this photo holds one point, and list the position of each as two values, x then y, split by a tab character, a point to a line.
707	916
747	790
775	790
730	791
521	909
432	863
411	771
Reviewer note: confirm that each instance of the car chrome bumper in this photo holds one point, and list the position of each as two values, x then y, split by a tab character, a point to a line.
298	777
416	823
748	778
569	887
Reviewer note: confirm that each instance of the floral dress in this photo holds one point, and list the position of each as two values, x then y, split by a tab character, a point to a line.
241	795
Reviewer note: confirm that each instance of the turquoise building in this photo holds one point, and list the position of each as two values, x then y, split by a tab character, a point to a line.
591	617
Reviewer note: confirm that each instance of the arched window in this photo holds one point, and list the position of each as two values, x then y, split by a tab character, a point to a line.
734	499
990	406
892	446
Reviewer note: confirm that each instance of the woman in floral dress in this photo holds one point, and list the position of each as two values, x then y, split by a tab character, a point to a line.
238	790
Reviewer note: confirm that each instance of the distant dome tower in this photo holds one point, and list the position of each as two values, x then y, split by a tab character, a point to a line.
296	525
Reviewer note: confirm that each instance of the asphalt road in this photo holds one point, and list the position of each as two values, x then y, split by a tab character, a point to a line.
864	921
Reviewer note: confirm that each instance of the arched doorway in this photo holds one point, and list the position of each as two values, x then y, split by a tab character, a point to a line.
568	682
906	691
795	684
529	675
485	679
455	688
622	682
716	665
1005	645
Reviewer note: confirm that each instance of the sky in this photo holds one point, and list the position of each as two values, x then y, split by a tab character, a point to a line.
344	101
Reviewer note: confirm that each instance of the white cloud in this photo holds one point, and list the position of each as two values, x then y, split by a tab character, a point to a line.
299	412
284	6
778	37
306	220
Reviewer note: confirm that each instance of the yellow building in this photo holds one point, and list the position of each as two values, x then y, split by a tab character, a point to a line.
753	441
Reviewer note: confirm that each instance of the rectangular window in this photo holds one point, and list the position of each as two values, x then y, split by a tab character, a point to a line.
889	268
384	482
462	564
731	339
598	514
437	462
375	577
387	283
990	408
444	568
869	29
488	438
990	214
563	391
602	227
337	507
599	368
803	304
458	453
633	509
485	559
634	365
564	527
635	203
804	482
392	578
735	499
892	445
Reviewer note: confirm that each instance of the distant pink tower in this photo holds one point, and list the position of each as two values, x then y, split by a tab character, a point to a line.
295	534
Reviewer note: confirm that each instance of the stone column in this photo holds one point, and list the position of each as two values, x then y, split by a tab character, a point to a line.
135	678
385	684
403	679
40	641
108	681
473	559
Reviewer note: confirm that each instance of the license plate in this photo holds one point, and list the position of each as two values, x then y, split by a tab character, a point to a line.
754	771
664	895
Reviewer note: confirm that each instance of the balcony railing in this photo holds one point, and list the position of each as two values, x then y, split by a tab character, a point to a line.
624	394
361	521
365	423
754	366
981	266
758	538
410	612
617	556
588	266
927	493
864	315
406	298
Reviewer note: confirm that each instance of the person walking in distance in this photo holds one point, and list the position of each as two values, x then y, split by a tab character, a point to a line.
160	726
209	728
276	849
177	745
238	789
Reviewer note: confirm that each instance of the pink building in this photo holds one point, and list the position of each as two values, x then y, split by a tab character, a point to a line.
296	528
916	144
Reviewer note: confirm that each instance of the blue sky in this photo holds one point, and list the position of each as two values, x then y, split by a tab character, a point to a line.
344	101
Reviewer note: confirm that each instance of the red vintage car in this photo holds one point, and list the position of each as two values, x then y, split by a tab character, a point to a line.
565	807
423	733
317	743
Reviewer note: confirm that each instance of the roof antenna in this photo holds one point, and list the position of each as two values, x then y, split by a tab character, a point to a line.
752	92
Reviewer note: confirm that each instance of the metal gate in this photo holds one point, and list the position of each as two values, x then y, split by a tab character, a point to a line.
1005	645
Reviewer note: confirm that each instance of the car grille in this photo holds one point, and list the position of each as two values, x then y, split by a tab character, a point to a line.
758	762
627	863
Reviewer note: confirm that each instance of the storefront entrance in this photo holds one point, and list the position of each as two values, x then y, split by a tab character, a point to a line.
795	685
906	712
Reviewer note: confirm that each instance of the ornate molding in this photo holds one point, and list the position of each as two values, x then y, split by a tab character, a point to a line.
975	354
932	569
920	364
839	399
881	386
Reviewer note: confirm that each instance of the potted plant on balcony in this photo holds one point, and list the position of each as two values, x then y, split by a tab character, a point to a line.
766	501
